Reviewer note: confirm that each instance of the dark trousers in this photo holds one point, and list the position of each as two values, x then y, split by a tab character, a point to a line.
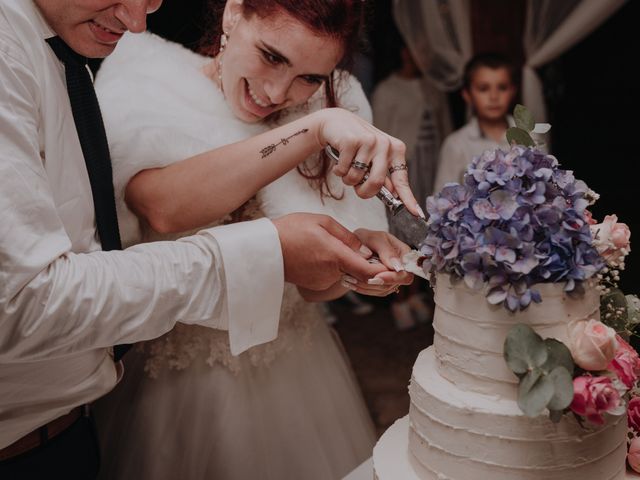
71	455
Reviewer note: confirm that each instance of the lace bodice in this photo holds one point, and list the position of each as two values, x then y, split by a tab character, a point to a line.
186	344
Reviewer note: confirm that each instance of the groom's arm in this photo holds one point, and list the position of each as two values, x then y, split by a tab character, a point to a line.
254	281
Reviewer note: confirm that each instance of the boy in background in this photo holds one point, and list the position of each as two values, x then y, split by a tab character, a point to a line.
489	89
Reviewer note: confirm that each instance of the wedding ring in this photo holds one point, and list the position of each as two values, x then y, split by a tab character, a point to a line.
397	168
359	165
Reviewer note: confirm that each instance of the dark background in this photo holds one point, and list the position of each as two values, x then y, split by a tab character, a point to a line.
590	97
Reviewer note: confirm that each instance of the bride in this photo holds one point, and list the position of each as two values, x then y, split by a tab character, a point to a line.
187	407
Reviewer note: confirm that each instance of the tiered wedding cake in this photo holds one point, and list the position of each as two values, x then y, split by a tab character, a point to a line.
525	254
464	422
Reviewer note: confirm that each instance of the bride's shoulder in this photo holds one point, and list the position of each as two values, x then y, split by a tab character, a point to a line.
146	57
145	68
349	91
147	48
349	95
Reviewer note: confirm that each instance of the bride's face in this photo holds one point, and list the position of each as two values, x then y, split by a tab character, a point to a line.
273	63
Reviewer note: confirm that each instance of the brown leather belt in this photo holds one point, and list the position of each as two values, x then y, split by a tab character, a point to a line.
41	435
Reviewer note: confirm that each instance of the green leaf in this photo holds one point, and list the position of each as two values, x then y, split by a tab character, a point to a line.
520	137
524	349
528	381
533	397
523	117
562	389
558	355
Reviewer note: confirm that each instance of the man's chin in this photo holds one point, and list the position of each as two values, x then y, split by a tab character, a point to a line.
98	50
91	48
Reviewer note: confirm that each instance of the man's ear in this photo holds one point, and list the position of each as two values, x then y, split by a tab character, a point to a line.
231	15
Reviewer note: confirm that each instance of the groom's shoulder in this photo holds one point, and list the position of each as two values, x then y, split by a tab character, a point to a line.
18	31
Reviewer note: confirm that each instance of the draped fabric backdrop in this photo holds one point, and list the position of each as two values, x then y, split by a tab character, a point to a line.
553	27
438	34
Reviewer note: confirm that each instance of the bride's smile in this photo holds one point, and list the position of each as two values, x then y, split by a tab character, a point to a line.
272	63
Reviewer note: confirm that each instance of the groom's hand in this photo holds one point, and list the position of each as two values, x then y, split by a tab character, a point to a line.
318	251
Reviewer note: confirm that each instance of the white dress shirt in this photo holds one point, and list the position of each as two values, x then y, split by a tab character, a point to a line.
64	302
459	148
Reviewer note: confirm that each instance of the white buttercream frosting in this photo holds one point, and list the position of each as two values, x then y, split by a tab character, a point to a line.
464	422
470	332
454	432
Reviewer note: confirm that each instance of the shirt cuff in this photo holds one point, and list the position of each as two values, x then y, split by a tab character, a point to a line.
254	278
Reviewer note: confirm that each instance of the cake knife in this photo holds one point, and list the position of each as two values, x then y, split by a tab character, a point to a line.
414	229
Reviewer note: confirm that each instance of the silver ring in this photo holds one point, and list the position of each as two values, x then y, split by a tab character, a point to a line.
359	165
332	152
397	168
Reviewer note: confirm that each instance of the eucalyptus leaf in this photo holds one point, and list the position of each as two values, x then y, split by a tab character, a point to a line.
524	349
529	380
520	137
532	401
524	118
558	355
562	387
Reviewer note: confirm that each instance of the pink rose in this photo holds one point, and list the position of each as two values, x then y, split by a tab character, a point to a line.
633	456
592	344
609	237
593	396
588	216
625	363
633	414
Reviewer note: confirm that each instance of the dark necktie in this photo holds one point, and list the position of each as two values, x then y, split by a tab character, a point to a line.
95	149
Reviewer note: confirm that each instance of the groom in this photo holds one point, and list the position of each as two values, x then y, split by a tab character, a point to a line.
64	299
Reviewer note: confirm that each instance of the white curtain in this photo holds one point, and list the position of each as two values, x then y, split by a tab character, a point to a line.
553	27
438	33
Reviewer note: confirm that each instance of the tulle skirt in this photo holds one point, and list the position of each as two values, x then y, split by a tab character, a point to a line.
301	416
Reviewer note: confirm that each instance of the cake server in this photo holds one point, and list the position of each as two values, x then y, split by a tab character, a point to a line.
414	229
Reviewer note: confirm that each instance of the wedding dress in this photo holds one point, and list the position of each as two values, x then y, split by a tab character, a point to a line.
186	408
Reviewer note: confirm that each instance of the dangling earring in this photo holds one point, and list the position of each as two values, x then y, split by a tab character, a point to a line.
223	44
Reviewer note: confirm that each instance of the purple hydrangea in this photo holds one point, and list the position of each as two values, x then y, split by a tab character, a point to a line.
516	220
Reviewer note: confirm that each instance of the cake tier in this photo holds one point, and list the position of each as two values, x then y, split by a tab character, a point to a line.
470	332
391	460
391	457
459	435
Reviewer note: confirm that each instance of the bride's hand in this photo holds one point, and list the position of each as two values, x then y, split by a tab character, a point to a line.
365	149
389	250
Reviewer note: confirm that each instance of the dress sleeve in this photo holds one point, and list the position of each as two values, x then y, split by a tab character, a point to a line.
54	301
